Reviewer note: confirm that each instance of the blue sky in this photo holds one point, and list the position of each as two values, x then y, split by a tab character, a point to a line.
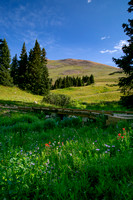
79	29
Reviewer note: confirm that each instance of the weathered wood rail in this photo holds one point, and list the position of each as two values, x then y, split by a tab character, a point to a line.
111	116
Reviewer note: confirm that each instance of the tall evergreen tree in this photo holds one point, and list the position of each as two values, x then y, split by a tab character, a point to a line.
38	81
23	68
14	70
5	78
126	62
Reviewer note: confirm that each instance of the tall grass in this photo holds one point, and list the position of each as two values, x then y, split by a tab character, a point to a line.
53	159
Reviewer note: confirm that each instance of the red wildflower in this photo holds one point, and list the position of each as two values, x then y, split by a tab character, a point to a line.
119	134
49	142
122	136
123	129
46	145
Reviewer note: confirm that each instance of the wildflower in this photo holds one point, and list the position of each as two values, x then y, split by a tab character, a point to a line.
46	145
108	149
113	145
124	134
49	142
123	129
119	134
97	149
122	137
62	143
106	152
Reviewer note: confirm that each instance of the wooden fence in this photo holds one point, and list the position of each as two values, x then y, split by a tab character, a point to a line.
111	116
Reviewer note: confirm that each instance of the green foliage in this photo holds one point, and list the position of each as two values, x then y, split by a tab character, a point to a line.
69	81
5	78
71	122
50	124
91	79
23	68
94	162
14	70
126	61
57	99
38	81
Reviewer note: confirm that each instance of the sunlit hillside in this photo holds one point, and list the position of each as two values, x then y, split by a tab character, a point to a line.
74	67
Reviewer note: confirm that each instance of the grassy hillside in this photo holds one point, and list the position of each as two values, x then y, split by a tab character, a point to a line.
105	87
92	93
16	96
73	67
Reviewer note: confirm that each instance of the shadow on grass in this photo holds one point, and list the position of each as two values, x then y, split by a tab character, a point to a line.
17	103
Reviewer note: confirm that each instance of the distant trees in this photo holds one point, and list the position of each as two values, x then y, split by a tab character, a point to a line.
69	81
5	78
126	62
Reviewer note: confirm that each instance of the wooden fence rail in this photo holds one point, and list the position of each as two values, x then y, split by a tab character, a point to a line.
111	116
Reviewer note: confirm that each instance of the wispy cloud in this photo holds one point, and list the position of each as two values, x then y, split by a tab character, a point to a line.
89	1
121	44
108	51
117	47
105	37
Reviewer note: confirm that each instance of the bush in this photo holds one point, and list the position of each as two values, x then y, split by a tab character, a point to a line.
57	99
50	124
71	122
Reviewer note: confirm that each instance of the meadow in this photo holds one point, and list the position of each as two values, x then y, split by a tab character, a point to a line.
53	159
65	159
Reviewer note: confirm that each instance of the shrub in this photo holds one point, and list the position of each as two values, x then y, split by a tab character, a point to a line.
50	123
70	122
57	99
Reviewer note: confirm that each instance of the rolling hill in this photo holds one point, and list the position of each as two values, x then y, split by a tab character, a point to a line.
77	67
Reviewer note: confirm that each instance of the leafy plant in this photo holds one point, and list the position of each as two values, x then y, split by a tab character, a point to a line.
57	99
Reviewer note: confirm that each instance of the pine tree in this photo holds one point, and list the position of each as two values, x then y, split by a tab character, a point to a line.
79	81
91	79
14	70
126	62
23	68
38	81
5	77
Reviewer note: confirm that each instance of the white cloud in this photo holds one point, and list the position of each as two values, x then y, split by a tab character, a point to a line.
105	37
108	51
89	1
121	44
117	47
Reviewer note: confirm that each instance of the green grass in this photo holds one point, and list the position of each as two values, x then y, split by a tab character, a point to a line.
53	159
93	93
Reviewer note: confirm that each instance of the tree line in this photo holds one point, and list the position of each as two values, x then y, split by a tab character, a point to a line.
28	73
69	81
